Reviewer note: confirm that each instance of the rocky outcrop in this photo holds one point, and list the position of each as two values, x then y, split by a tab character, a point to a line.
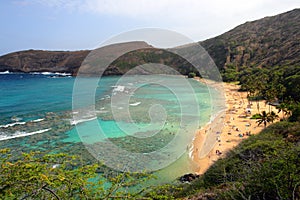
188	177
41	61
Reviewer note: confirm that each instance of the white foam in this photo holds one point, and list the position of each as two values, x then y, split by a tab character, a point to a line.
12	124
119	88
38	120
22	134
5	72
191	149
52	73
16	119
135	104
47	73
63	74
75	122
100	111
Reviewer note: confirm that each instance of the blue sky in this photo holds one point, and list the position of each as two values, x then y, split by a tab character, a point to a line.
84	24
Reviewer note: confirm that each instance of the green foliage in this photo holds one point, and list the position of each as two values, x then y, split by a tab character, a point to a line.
191	75
34	176
265	166
166	192
284	109
293	86
256	116
59	176
152	55
265	118
295	110
277	83
230	75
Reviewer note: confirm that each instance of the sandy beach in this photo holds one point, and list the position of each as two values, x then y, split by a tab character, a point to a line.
227	129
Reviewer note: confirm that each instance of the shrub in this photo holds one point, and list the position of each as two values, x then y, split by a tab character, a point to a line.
59	176
191	75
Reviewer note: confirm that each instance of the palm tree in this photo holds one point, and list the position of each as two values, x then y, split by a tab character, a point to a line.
270	96
281	90
283	108
272	116
265	118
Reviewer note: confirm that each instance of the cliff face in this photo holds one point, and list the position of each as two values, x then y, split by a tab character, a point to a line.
41	61
262	43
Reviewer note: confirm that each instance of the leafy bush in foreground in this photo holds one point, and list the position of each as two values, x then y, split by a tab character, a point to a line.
59	176
265	166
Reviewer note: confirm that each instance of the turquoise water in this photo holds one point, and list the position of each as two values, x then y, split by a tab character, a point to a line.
29	95
33	95
40	112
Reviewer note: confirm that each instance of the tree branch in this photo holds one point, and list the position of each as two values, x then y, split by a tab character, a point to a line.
53	193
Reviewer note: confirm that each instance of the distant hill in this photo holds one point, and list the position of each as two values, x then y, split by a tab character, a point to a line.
271	41
138	53
41	61
262	43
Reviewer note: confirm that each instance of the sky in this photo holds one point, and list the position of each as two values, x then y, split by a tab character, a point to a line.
85	24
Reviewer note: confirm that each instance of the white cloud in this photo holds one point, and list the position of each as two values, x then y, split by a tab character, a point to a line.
169	8
196	18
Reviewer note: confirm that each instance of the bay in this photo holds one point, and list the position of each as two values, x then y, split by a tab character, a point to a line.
44	104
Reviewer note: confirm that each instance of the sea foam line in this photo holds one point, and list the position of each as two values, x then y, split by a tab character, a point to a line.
213	119
42	73
5	72
52	73
22	134
38	120
20	123
135	104
75	122
12	124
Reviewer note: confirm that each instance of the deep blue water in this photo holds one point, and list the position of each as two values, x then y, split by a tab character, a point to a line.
24	95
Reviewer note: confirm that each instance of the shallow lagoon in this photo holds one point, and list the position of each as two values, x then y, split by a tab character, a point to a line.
34	102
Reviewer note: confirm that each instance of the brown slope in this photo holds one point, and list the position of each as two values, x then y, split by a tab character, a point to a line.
40	61
64	61
128	54
263	43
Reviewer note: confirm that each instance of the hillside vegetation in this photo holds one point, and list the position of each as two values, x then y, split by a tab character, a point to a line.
271	41
265	166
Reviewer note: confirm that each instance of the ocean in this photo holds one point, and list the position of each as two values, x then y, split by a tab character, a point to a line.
130	123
